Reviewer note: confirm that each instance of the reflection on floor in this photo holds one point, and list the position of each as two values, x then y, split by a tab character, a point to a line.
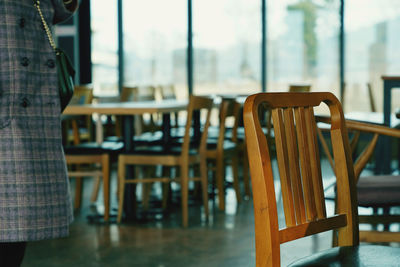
157	239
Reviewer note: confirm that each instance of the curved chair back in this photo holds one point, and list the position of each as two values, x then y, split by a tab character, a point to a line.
299	171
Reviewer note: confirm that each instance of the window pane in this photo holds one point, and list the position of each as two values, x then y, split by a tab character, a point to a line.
104	47
227	46
371	50
155	43
303	46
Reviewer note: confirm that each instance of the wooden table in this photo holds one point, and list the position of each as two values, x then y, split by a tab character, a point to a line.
127	110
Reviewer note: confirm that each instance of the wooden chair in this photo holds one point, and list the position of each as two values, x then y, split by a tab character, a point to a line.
79	128
225	149
373	191
169	155
143	123
301	183
168	92
90	159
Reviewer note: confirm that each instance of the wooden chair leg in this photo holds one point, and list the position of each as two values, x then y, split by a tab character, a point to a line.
166	187
236	185
78	192
197	186
146	192
148	171
220	180
204	185
165	194
335	240
185	193
121	179
96	189
106	185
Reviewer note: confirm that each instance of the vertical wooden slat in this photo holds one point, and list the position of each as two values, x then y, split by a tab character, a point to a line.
282	158
305	166
294	167
315	163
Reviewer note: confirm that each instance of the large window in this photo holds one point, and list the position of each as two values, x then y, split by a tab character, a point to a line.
303	44
372	43
155	43
227	46
104	47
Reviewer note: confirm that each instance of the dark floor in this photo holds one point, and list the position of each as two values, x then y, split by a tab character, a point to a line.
157	239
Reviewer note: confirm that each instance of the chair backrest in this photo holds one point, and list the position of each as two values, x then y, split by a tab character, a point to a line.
229	108
137	93
128	94
197	104
83	94
167	91
300	173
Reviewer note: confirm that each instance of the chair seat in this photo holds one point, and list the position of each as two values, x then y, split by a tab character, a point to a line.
142	139
94	148
379	191
228	145
353	256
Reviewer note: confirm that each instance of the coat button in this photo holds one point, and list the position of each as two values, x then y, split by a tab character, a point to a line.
25	61
24	102
50	63
21	22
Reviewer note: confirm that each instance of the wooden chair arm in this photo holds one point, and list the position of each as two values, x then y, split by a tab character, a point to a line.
360	127
365	127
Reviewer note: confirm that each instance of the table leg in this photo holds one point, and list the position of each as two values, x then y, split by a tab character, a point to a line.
384	150
130	189
166	128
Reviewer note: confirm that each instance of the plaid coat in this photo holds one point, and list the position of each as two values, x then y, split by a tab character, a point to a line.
34	191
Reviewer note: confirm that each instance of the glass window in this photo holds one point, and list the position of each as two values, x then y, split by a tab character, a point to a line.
104	47
372	42
155	43
227	46
303	44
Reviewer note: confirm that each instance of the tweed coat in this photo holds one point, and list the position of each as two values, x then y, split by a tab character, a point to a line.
34	191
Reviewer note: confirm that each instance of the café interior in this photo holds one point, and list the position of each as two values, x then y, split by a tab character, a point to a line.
231	133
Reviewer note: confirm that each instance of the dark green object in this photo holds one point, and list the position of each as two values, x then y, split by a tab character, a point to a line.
65	72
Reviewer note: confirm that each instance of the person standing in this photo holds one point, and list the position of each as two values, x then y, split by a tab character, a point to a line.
34	192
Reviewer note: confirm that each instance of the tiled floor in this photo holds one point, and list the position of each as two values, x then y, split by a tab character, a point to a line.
157	239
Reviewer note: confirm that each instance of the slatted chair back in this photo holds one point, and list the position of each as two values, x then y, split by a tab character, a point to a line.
299	172
129	94
143	123
168	91
81	125
197	104
83	94
229	109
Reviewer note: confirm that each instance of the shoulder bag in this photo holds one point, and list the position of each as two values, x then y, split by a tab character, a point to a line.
65	70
